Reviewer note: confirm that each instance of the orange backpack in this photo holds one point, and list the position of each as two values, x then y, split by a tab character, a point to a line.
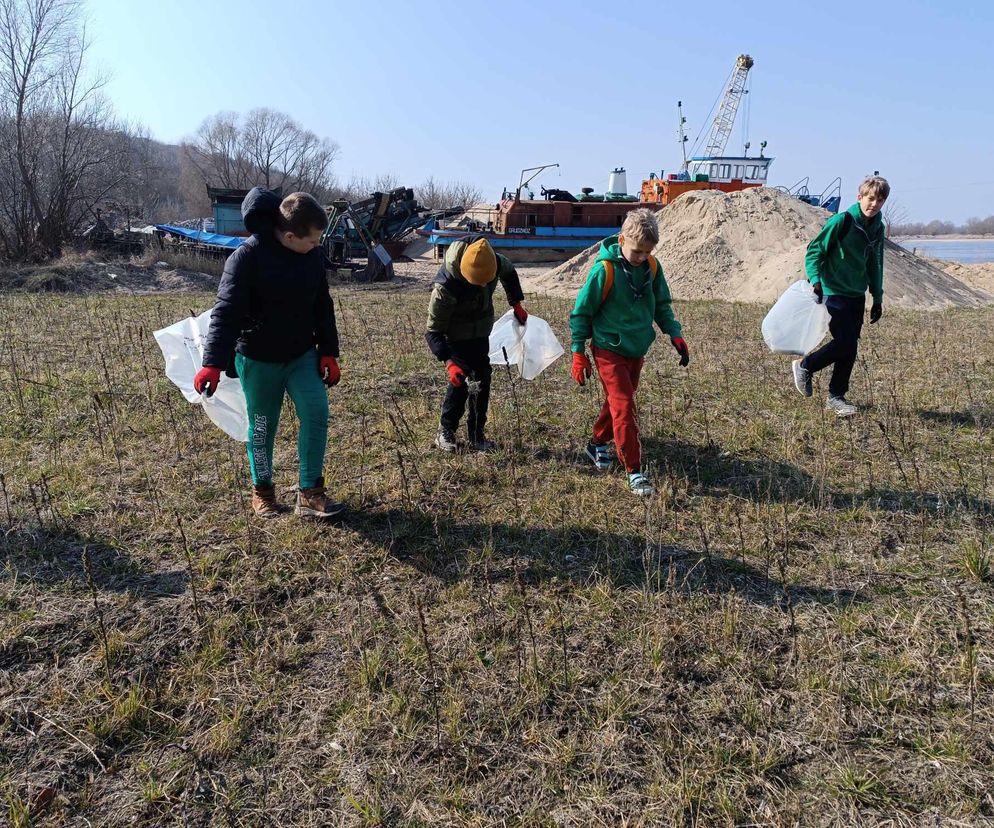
609	275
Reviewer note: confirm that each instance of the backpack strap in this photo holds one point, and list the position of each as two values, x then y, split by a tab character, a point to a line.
609	275
608	279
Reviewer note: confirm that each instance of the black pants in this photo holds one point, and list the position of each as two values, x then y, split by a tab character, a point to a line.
473	355
846	322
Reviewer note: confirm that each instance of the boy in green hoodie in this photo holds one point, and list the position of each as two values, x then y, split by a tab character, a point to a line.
843	261
624	294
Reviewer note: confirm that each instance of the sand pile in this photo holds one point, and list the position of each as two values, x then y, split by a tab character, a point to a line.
979	276
749	246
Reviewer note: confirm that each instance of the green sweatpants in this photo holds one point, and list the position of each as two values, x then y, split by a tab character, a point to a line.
265	384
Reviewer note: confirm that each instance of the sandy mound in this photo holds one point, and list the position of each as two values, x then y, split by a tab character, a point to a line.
749	246
979	276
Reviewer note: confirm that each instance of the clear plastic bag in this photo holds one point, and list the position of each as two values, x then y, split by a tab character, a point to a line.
533	347
796	324
182	345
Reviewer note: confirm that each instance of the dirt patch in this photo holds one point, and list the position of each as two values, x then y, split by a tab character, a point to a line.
418	273
749	246
80	274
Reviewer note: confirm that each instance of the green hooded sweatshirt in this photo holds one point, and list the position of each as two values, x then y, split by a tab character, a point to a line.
850	266
622	323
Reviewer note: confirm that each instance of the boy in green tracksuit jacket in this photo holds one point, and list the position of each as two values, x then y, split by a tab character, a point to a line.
844	261
624	294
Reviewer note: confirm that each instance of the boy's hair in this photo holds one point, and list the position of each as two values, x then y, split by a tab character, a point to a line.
301	214
640	226
875	184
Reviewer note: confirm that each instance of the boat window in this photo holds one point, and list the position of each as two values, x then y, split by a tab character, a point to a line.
714	170
726	170
738	171
752	171
762	174
532	220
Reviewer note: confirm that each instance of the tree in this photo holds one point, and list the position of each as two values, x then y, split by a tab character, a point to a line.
895	216
360	186
61	149
938	228
436	195
265	148
979	226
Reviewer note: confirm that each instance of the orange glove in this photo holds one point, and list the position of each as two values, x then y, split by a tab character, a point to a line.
207	380
329	370
582	369
520	313
682	349
456	374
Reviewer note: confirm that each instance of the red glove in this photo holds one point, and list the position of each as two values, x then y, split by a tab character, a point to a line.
682	349
520	313
582	369
329	370
206	380
456	374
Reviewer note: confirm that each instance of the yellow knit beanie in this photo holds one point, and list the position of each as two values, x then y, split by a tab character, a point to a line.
479	263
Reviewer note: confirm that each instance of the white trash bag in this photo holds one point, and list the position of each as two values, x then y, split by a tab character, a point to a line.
182	345
533	347
796	324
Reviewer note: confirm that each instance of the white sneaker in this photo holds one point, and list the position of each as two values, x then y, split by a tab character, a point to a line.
802	378
640	485
841	406
599	455
446	440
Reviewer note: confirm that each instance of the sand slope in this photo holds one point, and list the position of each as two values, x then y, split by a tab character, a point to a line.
976	275
749	246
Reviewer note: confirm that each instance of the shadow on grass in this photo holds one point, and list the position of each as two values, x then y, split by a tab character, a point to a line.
53	556
721	472
977	418
451	551
912	502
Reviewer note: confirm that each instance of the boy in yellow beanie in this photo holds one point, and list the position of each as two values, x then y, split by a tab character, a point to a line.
460	318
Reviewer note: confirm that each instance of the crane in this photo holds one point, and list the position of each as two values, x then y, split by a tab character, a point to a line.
710	168
724	119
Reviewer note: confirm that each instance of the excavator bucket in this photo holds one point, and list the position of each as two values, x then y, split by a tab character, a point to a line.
379	266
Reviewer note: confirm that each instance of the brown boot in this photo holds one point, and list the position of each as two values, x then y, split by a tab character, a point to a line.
314	503
264	502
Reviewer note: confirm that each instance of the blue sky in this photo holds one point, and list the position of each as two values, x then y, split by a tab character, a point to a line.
475	91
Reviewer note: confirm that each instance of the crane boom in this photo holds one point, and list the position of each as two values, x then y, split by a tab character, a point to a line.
724	120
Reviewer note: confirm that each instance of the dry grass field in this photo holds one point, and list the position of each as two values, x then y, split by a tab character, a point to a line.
796	631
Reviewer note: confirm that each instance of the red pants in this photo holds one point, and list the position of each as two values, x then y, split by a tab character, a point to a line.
618	419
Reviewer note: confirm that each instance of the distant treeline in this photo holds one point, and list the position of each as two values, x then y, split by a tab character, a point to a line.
66	157
972	227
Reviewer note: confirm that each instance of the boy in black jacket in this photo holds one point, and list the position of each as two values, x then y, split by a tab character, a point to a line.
460	318
274	323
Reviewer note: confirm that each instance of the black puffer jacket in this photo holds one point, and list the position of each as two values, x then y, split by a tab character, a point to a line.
272	304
